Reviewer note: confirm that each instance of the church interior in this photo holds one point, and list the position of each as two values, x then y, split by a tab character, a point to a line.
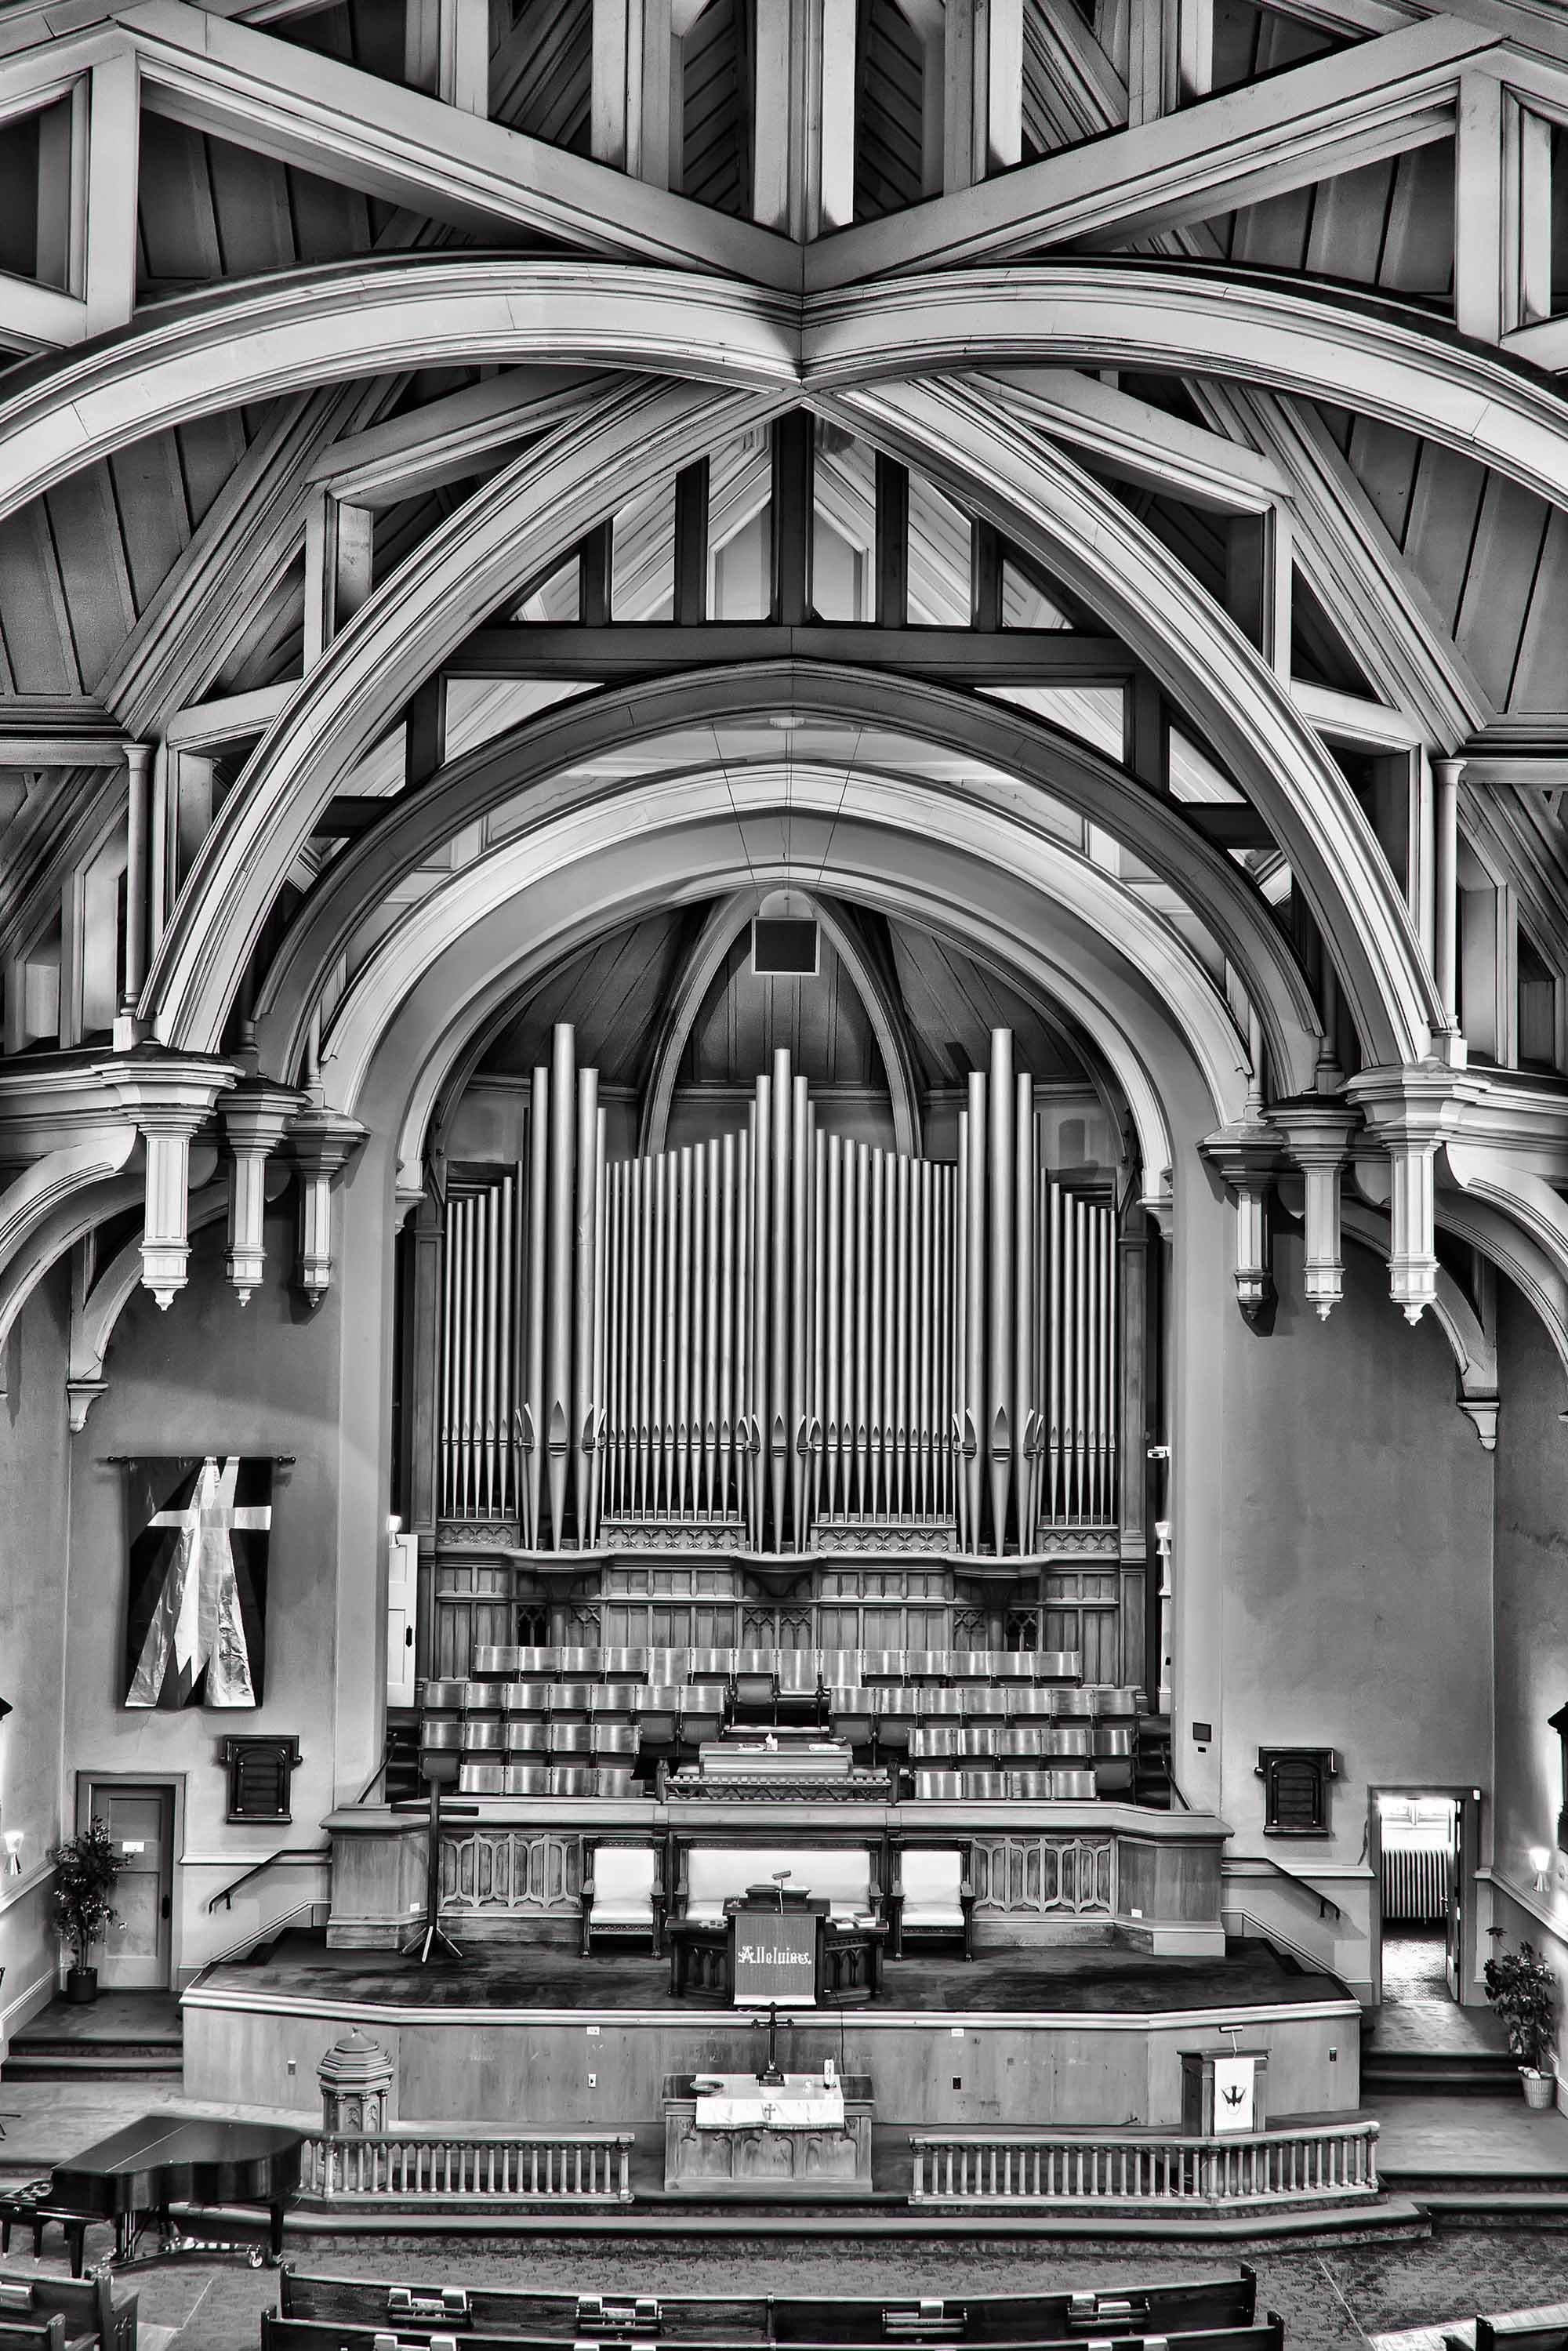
783	1168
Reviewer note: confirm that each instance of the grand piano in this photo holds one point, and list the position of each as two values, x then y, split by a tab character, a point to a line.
135	2176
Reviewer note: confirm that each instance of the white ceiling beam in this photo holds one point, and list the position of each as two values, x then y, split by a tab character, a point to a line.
1359	105
330	117
1351	718
1354	567
1083	94
35	318
448	439
1147	444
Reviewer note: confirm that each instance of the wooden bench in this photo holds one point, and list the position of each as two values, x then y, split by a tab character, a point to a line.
88	2305
280	2334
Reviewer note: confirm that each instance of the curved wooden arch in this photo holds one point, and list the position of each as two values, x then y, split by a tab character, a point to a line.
1057	511
996	735
530	513
1031	909
1473	1348
702	966
258	338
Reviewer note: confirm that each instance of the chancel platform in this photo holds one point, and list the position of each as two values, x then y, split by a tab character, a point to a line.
1088	2036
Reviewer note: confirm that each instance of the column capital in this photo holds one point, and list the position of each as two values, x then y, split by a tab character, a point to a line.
320	1143
1316	1129
1246	1157
1317	1132
166	1093
1413	1107
1408	1113
256	1118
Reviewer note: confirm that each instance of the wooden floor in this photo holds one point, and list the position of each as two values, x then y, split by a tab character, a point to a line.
1098	1979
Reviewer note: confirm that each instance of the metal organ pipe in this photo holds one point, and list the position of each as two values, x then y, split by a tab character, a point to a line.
533	1414
1000	1302
712	1308
1024	1418
683	1334
562	1205
728	1310
832	1288
760	1300
600	1270
801	1173
976	1299
586	1234
775	1422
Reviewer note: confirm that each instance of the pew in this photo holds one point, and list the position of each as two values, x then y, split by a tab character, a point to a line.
279	2333
87	2305
1522	2334
1196	2314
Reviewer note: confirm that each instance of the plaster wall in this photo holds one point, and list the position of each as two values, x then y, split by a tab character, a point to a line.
1532	1638
212	1375
1353	1606
35	1487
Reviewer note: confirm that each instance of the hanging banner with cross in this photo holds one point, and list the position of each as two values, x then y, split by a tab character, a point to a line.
195	1627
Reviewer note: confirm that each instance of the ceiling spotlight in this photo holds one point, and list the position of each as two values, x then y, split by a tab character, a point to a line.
1540	1860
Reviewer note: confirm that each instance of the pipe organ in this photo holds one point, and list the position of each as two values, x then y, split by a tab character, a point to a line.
783	1337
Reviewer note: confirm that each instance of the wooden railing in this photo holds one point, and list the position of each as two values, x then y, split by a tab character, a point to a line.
430	2167
1148	2171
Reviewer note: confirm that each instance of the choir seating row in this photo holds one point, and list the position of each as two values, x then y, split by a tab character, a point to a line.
625	1701
1076	1784
1178	2307
791	1668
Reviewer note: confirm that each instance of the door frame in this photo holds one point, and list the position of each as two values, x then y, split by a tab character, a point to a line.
1468	1800
172	1783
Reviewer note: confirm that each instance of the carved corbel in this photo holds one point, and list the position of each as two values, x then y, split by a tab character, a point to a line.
1246	1156
1317	1134
170	1096
256	1118
1408	1113
320	1143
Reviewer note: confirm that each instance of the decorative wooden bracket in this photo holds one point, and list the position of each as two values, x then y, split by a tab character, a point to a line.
1317	1134
1409	1111
320	1143
1246	1157
256	1118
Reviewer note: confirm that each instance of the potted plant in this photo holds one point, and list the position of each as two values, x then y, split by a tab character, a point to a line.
86	1867
1523	1990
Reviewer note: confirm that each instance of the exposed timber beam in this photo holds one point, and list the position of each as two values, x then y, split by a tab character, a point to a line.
1337	114
1353	565
448	439
322	116
638	649
1147	444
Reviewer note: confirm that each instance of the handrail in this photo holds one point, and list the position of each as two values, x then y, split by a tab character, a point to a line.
225	1894
377	1774
1325	1902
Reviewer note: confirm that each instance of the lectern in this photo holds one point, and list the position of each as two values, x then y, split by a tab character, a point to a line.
1222	2091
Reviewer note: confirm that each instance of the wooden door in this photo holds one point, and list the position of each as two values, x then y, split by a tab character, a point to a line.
1454	1925
140	1821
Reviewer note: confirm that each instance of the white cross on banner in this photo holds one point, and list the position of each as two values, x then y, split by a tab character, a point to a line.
193	1587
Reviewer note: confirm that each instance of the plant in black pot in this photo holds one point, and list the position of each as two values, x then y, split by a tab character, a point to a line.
86	1867
1523	1990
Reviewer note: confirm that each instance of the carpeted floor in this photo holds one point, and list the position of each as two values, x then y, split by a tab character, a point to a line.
1330	2301
1083	1977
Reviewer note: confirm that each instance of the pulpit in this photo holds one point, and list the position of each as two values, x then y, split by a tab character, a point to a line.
1222	2091
774	1945
742	2135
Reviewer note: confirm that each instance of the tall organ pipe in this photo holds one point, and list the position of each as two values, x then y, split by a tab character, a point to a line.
562	1208
729	1309
713	1307
818	1317
586	1222
876	1427
600	1307
683	1334
958	1353
775	1421
761	1302
862	1328
800	1172
489	1302
1024	1420
833	1268
1000	1432
975	1302
534	1349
